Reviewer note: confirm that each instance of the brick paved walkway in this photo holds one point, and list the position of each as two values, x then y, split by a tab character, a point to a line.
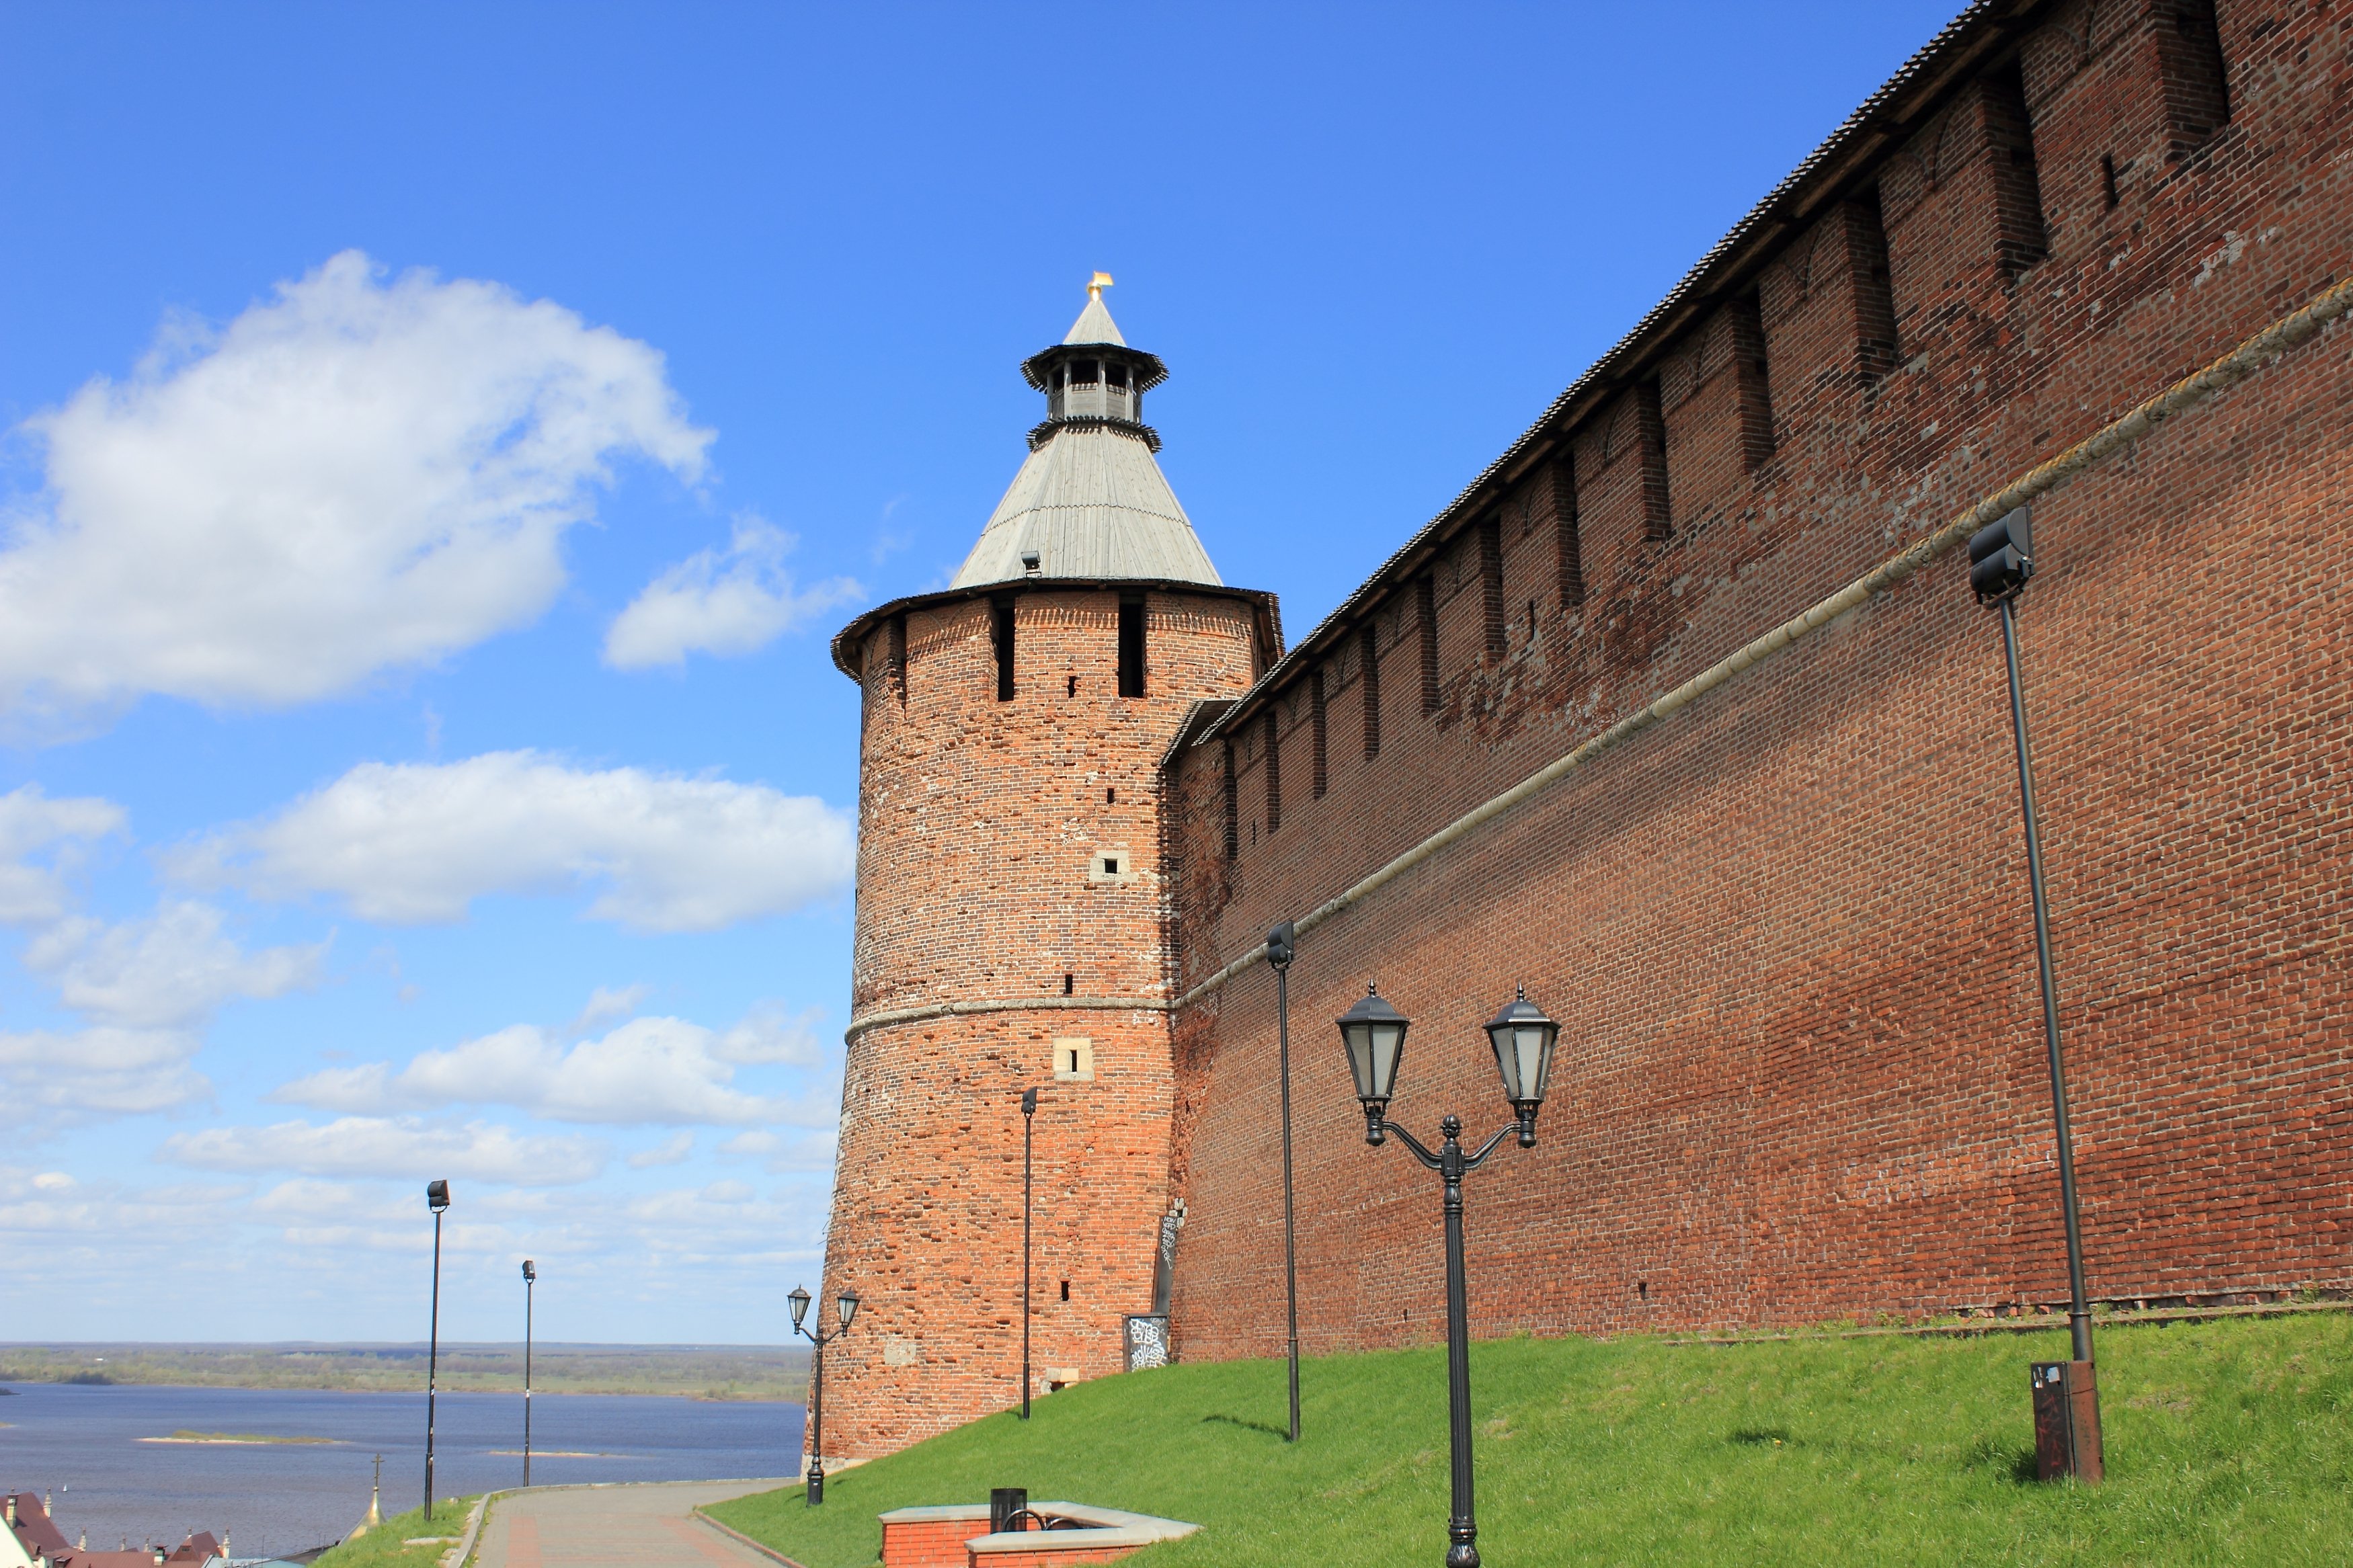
616	1527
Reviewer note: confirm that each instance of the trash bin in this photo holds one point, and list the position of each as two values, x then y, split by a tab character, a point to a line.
2066	1420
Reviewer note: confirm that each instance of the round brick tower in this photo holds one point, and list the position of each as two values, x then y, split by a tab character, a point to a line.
1012	916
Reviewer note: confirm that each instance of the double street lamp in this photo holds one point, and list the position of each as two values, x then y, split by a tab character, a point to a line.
1522	1040
845	1309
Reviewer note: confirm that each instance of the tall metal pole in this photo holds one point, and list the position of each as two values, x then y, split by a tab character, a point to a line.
1029	1110
2079	1309
530	1282
1290	1226
432	1362
1462	1526
817	1413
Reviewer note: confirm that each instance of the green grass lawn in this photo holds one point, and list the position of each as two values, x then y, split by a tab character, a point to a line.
384	1546
2227	1441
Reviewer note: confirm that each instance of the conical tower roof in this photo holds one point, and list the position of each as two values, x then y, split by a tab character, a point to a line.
1091	502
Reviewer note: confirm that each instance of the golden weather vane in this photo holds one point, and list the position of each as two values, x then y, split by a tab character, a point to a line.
1097	284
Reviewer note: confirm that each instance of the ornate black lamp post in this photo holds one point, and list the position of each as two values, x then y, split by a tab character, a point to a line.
1522	1040
529	1278
2066	1394
845	1309
437	1198
1280	944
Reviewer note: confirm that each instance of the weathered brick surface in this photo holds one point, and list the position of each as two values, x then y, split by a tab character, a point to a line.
1788	930
981	823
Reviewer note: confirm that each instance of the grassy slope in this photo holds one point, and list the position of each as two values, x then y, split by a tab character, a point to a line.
383	1546
2228	1442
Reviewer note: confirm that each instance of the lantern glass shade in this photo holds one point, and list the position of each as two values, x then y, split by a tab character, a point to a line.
800	1300
847	1306
1522	1038
1374	1033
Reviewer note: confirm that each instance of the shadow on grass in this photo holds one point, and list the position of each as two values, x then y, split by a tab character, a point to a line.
1248	1425
1764	1437
2016	1466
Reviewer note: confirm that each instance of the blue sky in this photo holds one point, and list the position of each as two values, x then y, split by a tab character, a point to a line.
440	439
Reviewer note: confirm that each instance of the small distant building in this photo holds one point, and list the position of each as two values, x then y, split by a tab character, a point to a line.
34	1540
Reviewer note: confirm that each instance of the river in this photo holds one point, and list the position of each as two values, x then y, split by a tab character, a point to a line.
82	1445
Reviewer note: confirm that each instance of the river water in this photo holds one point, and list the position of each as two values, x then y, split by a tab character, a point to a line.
82	1444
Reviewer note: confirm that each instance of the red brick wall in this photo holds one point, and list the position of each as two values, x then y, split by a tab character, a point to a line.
1788	929
979	826
930	1542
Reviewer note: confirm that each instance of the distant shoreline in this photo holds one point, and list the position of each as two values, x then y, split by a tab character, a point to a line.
758	1374
238	1440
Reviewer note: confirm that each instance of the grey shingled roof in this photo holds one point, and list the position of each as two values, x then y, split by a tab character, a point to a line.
1092	501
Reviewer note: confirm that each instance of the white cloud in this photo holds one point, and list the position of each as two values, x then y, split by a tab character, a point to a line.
394	1147
104	1071
671	1150
779	1155
354	474
146	987
416	842
172	969
30	822
650	1071
725	603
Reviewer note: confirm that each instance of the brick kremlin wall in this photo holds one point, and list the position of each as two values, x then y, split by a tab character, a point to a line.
984	829
1786	930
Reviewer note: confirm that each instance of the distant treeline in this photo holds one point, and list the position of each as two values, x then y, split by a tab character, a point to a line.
706	1372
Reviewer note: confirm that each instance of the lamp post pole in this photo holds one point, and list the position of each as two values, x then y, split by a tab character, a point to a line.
1029	1115
1279	945
845	1309
1523	1038
530	1279
2001	562
437	1198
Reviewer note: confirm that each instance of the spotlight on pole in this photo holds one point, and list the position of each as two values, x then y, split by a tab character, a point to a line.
437	1198
1281	942
529	1278
2066	1393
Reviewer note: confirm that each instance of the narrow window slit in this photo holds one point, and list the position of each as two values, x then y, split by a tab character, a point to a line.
1315	714
1001	628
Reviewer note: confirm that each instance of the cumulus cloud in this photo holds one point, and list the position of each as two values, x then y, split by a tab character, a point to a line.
650	1071
671	1150
171	969
32	825
100	1071
412	843
725	603
357	473
779	1155
401	1147
146	988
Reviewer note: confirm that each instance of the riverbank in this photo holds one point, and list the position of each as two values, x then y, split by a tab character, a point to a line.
690	1372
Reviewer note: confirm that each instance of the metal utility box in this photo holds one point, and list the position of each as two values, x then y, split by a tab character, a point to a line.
1003	1502
2066	1420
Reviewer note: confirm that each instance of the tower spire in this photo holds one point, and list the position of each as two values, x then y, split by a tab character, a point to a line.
1090	500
